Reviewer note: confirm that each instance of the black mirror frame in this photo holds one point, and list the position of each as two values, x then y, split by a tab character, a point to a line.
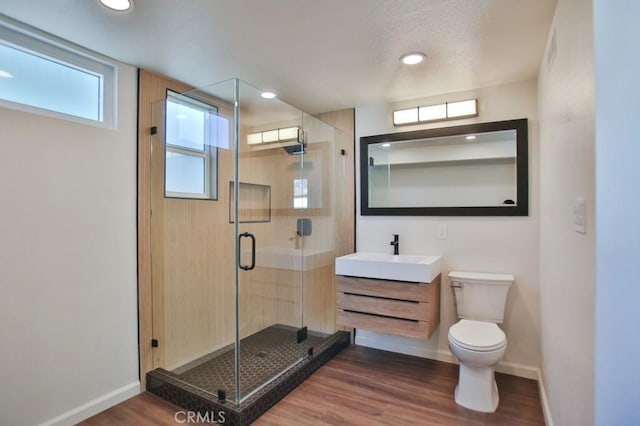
522	171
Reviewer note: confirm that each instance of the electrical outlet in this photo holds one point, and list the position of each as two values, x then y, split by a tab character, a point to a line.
443	232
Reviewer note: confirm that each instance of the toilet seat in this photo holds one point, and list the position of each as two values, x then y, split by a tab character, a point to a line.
477	336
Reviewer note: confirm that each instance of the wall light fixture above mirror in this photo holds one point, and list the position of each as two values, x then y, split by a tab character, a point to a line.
471	170
439	112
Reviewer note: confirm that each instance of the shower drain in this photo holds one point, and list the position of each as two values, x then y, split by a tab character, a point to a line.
261	354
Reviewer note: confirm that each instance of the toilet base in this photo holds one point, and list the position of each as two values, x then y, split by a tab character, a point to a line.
477	389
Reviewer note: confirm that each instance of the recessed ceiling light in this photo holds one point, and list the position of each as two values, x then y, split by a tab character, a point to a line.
268	95
412	58
470	137
5	74
119	5
386	145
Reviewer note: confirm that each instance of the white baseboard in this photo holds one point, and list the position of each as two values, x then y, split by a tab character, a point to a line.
95	406
519	370
546	411
418	348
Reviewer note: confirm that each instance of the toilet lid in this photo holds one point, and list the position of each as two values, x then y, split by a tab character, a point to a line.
477	335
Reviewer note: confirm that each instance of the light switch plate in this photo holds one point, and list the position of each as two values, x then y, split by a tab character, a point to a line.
580	215
443	231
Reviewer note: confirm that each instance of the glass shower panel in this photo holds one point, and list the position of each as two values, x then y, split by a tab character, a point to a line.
270	285
193	258
243	218
318	211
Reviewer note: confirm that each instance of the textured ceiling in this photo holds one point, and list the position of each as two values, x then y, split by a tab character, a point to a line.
318	55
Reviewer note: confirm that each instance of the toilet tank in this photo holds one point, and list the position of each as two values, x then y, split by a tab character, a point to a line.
480	296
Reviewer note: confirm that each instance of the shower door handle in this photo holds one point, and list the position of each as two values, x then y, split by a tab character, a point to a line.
253	251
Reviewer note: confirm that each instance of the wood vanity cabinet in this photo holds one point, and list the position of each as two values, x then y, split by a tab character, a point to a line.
393	307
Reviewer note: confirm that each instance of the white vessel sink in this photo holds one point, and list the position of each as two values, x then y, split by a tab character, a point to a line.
403	267
291	258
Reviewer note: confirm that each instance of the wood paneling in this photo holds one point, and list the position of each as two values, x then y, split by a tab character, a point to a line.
344	178
295	298
343	191
363	386
384	288
385	307
434	306
192	261
394	307
320	299
185	268
187	293
400	327
151	88
254	204
278	296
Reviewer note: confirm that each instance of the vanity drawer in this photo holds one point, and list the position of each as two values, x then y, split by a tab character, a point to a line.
401	327
398	290
393	307
386	307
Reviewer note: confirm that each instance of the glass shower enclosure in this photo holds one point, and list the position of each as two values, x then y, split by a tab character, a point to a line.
242	236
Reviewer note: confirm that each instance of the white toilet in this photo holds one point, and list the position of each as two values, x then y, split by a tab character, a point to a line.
476	340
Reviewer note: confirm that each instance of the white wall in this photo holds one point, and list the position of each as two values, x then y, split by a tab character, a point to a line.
68	315
567	258
617	341
485	244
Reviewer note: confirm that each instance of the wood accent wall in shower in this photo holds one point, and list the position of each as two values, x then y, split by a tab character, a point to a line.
344	179
344	186
184	237
195	242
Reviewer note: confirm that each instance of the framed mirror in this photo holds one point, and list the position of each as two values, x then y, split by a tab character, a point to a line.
471	170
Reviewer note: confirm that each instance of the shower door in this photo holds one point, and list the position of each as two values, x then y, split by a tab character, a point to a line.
241	236
264	197
192	240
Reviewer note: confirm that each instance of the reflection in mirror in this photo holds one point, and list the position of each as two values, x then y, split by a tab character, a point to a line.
462	170
478	169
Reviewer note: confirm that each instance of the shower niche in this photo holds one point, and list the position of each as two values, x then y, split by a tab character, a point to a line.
243	296
255	204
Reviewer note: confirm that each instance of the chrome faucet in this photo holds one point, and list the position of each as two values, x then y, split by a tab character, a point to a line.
396	244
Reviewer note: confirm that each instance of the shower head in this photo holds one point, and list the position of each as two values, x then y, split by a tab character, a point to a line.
296	149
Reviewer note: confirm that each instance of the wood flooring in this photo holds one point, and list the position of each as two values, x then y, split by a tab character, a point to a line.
363	386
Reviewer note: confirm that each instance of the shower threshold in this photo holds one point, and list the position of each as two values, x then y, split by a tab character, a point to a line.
269	356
